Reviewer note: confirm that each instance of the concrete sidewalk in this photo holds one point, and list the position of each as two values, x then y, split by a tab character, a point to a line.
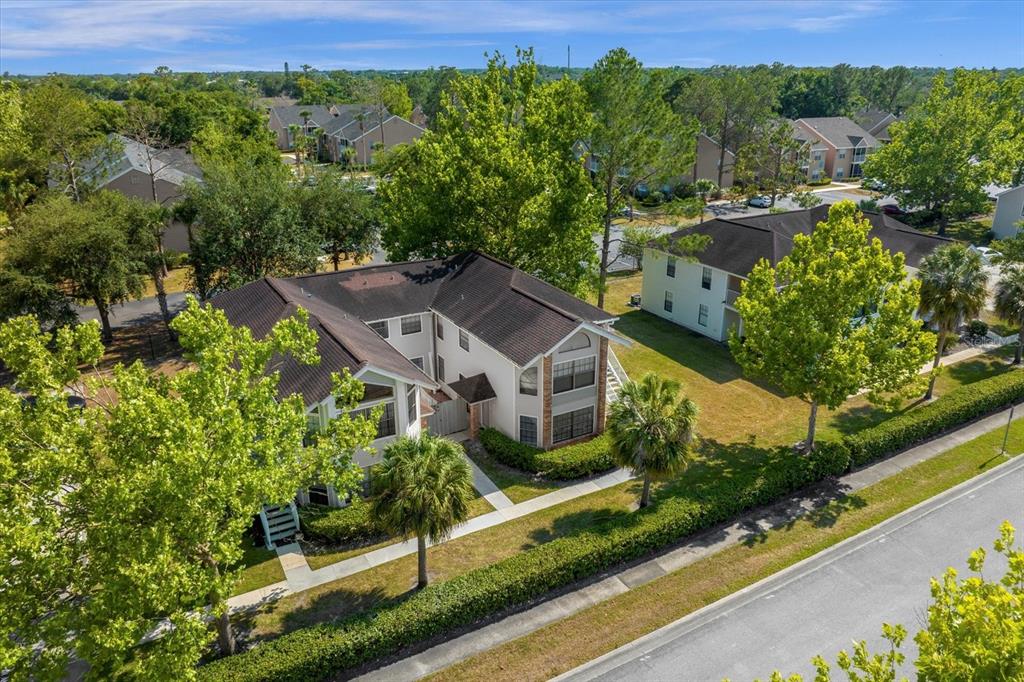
698	547
300	577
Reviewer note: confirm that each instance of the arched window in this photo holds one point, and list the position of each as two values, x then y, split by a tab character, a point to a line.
580	340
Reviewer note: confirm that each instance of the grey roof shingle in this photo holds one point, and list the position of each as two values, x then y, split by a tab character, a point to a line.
840	131
738	244
474	389
514	313
171	165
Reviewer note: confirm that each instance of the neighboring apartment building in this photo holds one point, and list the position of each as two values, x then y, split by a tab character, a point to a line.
137	170
340	126
445	345
700	294
709	158
1009	212
876	123
838	147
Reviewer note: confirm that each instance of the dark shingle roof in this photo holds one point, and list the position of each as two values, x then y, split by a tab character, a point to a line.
291	114
474	389
737	244
840	131
515	313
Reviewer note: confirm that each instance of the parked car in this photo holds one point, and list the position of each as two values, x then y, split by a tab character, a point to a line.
987	255
759	201
893	209
873	185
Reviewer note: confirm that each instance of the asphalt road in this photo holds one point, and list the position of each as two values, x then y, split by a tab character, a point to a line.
143	311
824	603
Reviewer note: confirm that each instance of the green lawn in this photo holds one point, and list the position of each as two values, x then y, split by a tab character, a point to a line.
318	556
601	628
997	324
976	230
262	568
518	485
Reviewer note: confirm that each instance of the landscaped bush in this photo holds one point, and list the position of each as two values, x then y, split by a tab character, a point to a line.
338	526
977	329
324	650
820	182
565	463
927	421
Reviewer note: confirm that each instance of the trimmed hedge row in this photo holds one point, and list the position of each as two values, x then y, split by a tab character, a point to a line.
325	649
957	407
339	525
565	463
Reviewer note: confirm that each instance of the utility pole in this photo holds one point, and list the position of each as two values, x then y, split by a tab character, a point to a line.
1006	435
568	57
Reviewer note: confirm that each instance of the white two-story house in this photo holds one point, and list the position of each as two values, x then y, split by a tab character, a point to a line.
700	293
445	345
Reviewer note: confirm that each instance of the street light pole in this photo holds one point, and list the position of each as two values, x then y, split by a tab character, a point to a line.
1006	435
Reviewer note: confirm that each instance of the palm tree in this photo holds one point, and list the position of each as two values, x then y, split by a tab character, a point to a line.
1010	302
652	429
422	487
953	287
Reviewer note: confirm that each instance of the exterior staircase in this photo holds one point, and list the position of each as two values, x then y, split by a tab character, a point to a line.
280	524
616	375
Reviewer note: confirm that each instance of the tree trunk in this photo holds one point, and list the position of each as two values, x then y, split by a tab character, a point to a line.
942	224
225	635
812	423
935	365
336	260
606	238
721	150
101	308
645	496
161	298
1020	346
421	544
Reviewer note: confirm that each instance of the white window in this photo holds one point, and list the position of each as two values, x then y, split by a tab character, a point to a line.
440	368
386	425
528	430
379	327
417	361
463	340
702	315
842	154
411	325
528	381
705	278
439	329
410	404
670	267
570	425
668	302
817	156
839	172
574	374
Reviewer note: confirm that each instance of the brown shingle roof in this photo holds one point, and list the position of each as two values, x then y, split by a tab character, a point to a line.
840	131
474	389
737	244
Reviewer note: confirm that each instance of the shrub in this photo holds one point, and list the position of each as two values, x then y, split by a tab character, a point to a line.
337	526
175	259
825	180
927	421
685	190
325	649
977	328
561	464
869	205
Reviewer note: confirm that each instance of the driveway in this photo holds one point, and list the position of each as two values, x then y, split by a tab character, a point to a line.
143	311
837	596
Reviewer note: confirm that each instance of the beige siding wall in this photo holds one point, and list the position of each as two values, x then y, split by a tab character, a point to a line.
136	184
708	158
396	131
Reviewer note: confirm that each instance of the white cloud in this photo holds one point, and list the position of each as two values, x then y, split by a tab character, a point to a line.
409	44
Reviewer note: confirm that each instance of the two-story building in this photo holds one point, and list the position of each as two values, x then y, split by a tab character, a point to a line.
700	293
838	147
446	345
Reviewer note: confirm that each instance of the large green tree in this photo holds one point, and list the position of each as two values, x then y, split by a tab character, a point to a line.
770	163
499	172
88	249
249	226
833	318
967	134
954	287
129	513
652	429
635	138
342	212
422	487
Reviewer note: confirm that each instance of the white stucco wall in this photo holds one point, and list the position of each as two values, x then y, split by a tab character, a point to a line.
578	398
1009	212
418	345
687	293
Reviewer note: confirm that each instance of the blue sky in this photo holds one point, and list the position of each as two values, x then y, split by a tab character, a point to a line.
112	36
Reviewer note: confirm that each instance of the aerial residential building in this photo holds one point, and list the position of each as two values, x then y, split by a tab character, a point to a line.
839	147
446	345
699	294
876	123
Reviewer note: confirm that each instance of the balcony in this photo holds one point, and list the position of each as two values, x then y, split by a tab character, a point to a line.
730	297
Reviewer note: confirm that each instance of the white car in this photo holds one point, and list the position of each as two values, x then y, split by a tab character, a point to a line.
987	254
760	201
